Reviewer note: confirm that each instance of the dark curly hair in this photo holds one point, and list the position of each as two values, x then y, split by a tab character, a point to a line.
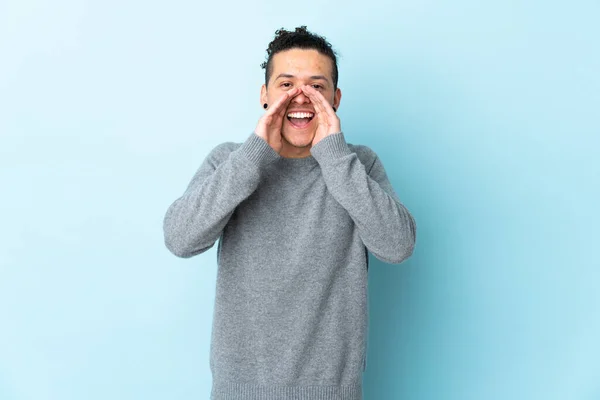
301	38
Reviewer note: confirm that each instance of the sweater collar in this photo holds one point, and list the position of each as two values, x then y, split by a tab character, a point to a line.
297	162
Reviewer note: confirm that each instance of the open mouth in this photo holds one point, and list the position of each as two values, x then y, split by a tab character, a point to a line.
301	119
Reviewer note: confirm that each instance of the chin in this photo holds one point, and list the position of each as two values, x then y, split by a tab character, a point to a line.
299	139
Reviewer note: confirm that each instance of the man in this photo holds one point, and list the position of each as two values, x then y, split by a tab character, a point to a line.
295	208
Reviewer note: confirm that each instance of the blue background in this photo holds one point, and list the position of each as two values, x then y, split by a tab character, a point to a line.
486	118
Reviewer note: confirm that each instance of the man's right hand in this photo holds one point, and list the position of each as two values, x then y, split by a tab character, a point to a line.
269	125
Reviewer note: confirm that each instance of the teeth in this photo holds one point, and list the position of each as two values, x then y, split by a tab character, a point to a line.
300	115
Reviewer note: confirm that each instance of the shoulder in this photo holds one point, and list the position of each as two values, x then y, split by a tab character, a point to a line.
365	154
221	151
225	148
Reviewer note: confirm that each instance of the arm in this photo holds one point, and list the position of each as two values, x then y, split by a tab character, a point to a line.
386	227
195	220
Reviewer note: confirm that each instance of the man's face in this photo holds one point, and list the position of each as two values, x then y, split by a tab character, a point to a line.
293	68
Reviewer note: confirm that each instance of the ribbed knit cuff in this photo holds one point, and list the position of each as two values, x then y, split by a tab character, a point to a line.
331	147
258	151
238	391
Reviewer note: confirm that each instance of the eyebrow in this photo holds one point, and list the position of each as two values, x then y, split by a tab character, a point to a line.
321	77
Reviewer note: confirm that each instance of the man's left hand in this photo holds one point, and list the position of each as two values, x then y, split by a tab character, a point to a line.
329	122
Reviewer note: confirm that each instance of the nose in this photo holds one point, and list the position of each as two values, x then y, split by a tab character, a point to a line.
301	98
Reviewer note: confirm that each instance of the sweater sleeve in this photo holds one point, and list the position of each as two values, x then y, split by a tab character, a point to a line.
384	224
195	220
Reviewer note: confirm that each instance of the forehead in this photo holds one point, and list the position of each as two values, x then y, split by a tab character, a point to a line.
301	62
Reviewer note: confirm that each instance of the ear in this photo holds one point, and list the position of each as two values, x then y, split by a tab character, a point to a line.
337	97
263	95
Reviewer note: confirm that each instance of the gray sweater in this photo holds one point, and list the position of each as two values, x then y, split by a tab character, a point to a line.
291	311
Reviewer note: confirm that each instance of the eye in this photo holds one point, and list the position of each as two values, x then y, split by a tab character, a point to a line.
316	86
286	84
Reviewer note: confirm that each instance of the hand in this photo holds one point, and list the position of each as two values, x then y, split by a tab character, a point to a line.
329	122
269	125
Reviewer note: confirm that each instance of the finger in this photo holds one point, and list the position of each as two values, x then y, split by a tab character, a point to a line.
278	106
319	99
310	92
317	102
291	94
